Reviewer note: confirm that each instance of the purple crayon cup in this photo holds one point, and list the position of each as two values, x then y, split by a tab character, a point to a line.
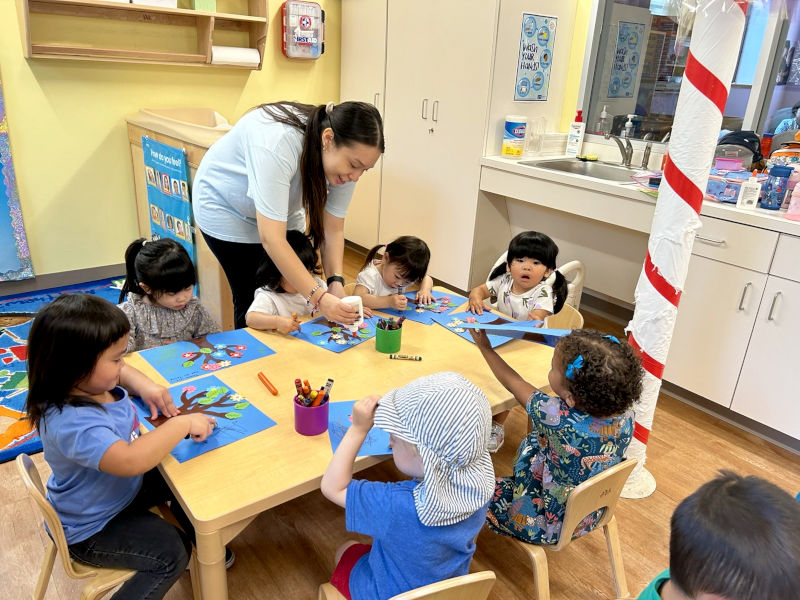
310	420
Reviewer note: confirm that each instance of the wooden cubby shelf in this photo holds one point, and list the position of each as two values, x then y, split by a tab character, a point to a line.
85	17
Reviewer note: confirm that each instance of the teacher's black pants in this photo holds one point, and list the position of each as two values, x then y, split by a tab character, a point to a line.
239	261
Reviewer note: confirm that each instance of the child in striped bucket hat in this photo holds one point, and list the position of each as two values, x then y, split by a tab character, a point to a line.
423	529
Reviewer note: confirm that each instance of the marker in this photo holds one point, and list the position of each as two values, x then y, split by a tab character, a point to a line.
267	383
404	357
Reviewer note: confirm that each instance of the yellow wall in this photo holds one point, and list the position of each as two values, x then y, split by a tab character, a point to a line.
577	52
69	141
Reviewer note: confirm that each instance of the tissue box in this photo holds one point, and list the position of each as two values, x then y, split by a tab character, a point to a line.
725	187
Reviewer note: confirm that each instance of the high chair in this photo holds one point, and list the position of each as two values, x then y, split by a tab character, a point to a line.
103	579
599	491
574	270
566	318
474	586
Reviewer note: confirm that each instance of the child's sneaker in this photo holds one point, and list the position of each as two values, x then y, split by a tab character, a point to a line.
497	437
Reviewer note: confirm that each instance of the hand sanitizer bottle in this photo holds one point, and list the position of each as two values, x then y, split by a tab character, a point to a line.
629	126
604	124
749	192
575	135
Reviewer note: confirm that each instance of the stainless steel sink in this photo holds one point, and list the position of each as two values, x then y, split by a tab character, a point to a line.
598	170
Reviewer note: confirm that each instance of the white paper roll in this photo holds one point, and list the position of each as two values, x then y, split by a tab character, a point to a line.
232	55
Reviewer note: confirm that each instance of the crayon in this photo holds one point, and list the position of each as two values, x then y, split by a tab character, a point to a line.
294	318
320	399
328	386
400	321
404	357
267	383
299	387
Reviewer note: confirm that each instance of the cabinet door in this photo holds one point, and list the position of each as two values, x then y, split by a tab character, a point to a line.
767	389
715	318
363	78
438	66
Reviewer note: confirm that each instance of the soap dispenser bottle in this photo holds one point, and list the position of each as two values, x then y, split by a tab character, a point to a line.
604	124
749	191
629	126
575	135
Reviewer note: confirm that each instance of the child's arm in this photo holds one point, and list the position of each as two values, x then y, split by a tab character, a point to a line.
340	470
128	459
155	396
424	295
259	320
476	297
539	314
510	379
396	301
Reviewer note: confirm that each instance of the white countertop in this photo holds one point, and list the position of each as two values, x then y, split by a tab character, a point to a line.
634	215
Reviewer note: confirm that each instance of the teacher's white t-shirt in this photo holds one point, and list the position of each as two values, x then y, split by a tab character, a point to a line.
255	167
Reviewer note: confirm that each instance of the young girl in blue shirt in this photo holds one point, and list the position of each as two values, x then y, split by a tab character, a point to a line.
104	478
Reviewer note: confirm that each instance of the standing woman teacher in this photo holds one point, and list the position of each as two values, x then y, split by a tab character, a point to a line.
280	164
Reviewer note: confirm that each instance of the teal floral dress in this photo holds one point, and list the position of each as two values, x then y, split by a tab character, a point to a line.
566	447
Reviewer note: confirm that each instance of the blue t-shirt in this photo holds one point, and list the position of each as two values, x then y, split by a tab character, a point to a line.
74	441
405	553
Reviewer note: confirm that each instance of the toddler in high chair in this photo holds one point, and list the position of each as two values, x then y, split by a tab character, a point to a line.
277	304
383	282
423	529
580	431
158	295
527	286
104	476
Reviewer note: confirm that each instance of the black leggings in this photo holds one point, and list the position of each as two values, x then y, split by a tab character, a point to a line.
239	261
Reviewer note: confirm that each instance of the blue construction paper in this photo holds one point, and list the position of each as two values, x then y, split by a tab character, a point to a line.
424	313
523	330
376	442
455	322
333	336
236	417
184	360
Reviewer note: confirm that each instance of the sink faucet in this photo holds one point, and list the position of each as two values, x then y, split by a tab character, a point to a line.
626	150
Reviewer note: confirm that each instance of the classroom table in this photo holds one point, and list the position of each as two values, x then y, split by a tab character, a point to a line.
223	490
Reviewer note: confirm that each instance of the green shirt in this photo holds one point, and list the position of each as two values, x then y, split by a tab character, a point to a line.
652	589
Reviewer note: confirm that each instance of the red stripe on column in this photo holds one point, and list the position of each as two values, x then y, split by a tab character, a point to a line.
664	287
650	364
706	82
743	5
641	433
683	186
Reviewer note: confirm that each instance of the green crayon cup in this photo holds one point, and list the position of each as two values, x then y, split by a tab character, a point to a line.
387	340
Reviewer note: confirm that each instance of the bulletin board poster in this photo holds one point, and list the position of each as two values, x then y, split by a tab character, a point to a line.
627	57
535	58
167	176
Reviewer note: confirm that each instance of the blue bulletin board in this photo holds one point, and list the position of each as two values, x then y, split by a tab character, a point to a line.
167	177
535	60
627	57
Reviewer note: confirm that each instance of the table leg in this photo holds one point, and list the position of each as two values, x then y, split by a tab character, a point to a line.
211	559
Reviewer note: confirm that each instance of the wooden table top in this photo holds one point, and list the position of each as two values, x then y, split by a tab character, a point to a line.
268	468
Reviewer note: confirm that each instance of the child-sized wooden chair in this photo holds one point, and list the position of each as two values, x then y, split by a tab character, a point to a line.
599	491
566	318
475	586
575	274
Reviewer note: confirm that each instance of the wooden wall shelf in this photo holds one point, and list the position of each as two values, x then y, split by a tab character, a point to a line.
38	43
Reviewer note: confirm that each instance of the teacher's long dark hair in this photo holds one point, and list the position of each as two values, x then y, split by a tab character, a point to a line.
351	122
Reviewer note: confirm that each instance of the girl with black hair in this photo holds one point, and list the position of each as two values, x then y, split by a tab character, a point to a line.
286	166
277	303
158	295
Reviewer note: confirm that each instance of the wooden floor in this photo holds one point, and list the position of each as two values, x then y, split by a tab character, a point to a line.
286	552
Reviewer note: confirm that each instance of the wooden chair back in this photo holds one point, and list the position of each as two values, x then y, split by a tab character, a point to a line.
474	586
566	318
575	273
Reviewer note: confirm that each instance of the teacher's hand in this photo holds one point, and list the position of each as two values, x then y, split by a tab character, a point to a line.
335	310
337	289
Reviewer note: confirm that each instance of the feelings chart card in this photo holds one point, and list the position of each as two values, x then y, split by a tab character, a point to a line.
424	313
455	322
236	417
184	360
340	417
333	336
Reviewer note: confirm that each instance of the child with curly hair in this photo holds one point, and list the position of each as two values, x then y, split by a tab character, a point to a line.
579	432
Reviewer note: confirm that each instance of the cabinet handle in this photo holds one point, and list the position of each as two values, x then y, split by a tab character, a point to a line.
424	108
435	112
711	240
375	99
747	287
771	316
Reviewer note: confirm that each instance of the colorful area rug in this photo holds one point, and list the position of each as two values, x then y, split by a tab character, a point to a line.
16	434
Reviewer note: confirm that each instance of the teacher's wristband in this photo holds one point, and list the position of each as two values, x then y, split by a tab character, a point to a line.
335	277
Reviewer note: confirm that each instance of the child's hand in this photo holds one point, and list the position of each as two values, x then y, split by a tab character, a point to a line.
287	324
157	399
424	297
398	301
476	304
200	426
368	312
364	412
481	339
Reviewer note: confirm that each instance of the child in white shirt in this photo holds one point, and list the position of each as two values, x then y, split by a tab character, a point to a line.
382	283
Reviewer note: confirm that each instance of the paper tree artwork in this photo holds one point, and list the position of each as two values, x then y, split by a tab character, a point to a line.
423	313
184	360
236	417
455	321
340	417
333	336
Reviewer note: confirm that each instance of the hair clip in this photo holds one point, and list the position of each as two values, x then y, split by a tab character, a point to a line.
574	367
612	338
329	108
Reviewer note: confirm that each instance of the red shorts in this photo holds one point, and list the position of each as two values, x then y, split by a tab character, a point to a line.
340	579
